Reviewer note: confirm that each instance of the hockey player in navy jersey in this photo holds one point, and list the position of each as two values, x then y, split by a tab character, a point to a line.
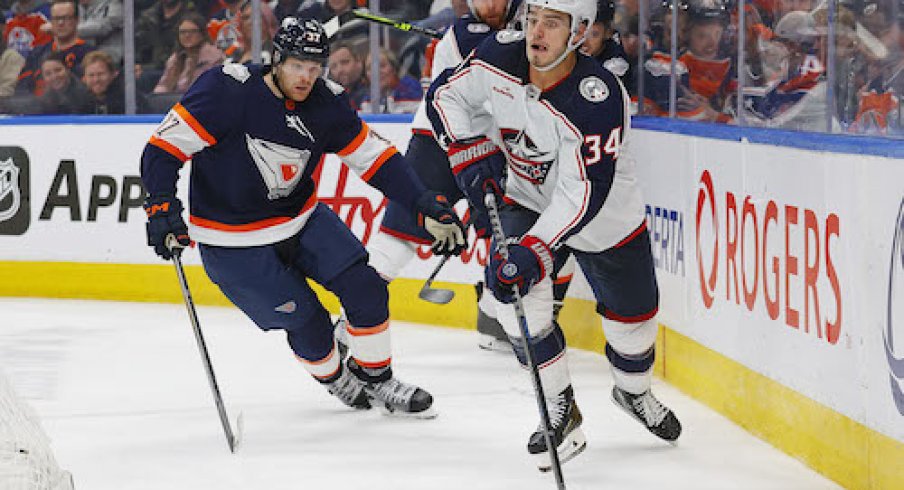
255	135
529	106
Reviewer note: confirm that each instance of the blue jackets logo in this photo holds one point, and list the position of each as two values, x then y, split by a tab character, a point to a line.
15	201
894	350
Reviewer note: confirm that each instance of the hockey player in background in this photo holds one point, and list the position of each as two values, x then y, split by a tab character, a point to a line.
556	125
400	232
604	43
255	135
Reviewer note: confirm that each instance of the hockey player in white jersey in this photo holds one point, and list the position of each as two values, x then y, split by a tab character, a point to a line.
400	233
557	123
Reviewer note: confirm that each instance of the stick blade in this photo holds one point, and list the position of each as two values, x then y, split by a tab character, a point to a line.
236	440
436	296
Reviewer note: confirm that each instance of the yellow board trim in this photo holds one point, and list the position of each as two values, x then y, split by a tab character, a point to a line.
836	446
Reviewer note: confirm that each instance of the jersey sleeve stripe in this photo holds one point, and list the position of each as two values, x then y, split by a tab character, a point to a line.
383	158
356	142
253	226
169	148
194	124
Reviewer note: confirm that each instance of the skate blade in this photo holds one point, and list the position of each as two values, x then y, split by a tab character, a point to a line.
387	411
573	445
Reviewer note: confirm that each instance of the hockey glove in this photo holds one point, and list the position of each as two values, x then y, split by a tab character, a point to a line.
439	219
479	167
529	261
164	219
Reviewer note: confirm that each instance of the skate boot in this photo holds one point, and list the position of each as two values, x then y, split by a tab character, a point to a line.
490	334
348	389
565	420
657	418
393	396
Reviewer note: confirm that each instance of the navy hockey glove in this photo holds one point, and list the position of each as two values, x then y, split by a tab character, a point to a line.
439	219
479	167
164	219
529	261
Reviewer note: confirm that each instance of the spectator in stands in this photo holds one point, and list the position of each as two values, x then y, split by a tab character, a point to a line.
246	25
285	8
23	31
326	10
346	68
228	33
100	22
11	63
64	94
104	83
399	94
604	43
64	20
194	54
709	70
799	100
154	33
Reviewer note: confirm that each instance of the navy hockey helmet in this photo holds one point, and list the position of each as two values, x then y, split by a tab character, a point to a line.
605	11
304	39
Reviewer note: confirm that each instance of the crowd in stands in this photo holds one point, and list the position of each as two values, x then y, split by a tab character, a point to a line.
66	56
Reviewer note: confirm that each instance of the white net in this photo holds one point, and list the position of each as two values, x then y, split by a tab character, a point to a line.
26	461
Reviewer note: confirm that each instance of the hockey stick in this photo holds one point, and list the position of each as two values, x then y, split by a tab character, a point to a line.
499	235
436	295
332	26
232	438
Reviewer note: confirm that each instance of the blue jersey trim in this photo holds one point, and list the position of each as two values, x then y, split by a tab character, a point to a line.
834	143
152	119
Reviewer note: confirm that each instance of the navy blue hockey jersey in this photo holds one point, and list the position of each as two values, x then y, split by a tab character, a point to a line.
253	155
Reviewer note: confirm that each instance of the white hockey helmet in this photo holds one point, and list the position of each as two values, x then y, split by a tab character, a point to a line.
581	12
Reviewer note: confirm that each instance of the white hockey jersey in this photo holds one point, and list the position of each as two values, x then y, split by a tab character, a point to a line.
563	145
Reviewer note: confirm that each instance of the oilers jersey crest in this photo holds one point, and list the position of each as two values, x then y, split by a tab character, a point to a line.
253	154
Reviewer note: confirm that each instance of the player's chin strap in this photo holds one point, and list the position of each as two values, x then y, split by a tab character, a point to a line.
561	57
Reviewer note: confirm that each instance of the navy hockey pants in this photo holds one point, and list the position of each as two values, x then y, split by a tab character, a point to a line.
623	278
269	282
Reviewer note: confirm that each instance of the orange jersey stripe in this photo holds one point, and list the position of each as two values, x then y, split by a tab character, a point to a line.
253	226
563	279
383	158
355	143
361	331
373	365
168	147
194	124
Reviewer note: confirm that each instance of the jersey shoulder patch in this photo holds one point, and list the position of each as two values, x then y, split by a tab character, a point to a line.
237	71
334	87
593	89
508	36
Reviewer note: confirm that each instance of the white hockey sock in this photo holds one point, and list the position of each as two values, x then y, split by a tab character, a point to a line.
323	369
388	254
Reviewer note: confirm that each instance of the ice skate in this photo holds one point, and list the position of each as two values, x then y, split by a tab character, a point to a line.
349	390
394	397
657	418
565	420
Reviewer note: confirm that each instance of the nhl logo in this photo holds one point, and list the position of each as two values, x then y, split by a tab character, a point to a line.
15	198
10	196
594	89
894	347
